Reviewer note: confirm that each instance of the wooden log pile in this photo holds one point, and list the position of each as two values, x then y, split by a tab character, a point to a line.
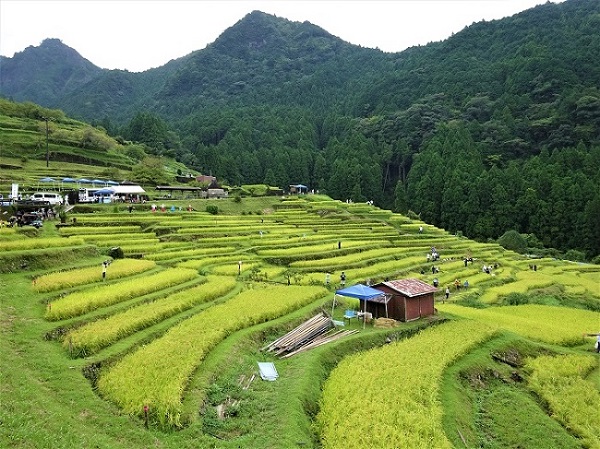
317	331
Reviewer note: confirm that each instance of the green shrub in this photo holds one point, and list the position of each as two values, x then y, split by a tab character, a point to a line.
516	299
212	209
575	255
533	241
116	252
413	215
513	241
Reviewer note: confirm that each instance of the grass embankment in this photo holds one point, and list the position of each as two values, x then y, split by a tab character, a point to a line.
487	401
236	405
44	258
46	402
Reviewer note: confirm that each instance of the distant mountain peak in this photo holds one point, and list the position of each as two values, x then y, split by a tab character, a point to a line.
53	65
52	42
257	30
55	47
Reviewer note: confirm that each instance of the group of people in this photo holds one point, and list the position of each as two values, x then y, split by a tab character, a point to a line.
22	218
458	284
163	208
342	279
433	255
488	268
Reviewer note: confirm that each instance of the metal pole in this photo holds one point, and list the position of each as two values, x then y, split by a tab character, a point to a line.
365	313
333	306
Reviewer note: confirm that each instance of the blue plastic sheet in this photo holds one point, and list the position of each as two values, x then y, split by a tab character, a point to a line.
267	371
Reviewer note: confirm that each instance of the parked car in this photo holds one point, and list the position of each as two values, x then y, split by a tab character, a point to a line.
51	198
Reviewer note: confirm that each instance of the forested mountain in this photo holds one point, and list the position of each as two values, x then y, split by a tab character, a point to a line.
45	74
261	60
495	128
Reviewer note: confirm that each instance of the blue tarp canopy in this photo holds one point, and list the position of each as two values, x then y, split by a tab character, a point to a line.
104	192
112	183
298	188
360	291
364	293
47	179
98	181
68	180
84	180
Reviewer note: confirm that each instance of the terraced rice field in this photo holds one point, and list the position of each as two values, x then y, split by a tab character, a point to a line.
150	335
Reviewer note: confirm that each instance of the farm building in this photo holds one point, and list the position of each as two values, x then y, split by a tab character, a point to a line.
408	299
215	193
206	179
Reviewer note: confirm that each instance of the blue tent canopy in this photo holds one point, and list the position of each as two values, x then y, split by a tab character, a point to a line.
298	188
112	183
47	179
97	181
104	192
364	293
360	291
84	180
68	180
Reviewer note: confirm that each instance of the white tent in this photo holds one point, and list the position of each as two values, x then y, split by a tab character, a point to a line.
127	190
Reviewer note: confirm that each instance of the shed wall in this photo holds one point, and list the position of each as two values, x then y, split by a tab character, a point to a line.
419	306
396	308
402	308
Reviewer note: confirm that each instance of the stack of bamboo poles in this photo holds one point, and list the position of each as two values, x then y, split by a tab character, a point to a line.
317	331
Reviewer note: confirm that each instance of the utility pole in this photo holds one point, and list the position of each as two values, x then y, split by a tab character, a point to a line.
47	152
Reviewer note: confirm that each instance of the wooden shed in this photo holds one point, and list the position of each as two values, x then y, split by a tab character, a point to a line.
409	299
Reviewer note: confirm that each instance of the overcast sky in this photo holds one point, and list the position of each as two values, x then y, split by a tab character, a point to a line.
141	34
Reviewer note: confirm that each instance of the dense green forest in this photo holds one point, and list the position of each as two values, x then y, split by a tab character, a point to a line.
495	128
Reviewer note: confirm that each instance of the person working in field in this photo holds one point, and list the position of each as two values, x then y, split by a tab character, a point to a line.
597	344
104	266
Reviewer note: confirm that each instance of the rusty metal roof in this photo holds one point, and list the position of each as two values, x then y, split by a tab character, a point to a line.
409	287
